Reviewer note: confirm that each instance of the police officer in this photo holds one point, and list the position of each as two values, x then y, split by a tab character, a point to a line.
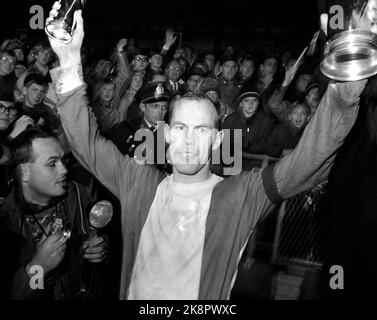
154	105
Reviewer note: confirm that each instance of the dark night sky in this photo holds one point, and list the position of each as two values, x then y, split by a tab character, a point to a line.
298	16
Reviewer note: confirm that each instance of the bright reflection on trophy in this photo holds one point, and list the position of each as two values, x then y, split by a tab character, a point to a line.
351	51
61	27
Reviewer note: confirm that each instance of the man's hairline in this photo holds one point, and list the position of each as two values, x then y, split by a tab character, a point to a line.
216	120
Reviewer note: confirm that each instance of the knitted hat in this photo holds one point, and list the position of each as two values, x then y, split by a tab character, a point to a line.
209	84
248	91
227	58
310	87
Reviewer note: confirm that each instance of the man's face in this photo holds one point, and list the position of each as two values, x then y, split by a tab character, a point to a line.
43	57
35	94
103	68
312	98
270	66
7	64
46	176
193	83
174	71
209	62
298	117
303	81
107	92
229	69
140	62
156	61
247	68
249	105
191	136
20	56
154	112
19	70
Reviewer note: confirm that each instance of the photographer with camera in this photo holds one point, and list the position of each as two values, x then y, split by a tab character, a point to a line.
46	219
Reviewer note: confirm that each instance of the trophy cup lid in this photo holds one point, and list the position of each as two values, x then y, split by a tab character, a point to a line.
57	30
350	55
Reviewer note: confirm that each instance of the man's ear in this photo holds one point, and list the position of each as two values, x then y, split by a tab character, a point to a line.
218	139
167	136
23	172
142	107
24	90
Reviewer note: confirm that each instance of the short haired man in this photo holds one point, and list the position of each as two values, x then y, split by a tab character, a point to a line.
173	73
183	234
246	69
42	59
229	86
35	89
41	205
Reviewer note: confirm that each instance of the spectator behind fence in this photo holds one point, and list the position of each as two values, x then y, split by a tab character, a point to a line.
287	134
255	126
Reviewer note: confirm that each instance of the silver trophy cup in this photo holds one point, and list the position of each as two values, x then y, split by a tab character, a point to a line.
61	27
351	49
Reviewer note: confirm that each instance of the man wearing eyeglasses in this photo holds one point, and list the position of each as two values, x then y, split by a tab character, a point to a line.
173	73
7	77
140	62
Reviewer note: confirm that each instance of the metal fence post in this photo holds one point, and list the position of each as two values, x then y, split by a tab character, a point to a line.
279	224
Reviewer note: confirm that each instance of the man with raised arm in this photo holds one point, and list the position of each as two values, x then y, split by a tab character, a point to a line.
184	234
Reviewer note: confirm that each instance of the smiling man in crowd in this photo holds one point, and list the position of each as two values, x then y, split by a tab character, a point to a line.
41	205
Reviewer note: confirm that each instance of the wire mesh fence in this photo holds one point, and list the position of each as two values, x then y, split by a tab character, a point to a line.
297	236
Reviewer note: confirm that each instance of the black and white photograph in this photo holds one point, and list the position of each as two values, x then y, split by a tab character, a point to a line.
193	156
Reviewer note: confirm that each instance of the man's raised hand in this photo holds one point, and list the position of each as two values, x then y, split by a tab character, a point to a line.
68	53
170	38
